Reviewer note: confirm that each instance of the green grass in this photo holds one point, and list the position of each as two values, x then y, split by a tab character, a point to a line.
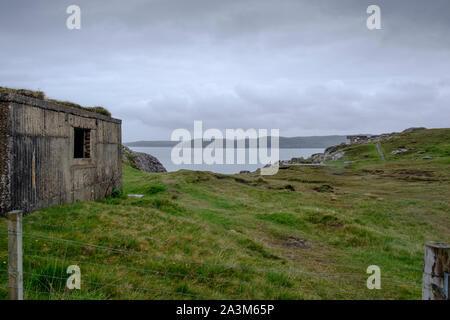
255	239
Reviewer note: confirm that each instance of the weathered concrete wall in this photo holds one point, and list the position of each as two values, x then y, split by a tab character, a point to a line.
4	171
43	170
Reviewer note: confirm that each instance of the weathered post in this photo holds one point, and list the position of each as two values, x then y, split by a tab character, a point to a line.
15	255
436	267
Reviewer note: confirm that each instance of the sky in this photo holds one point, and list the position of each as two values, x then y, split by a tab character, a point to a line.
304	67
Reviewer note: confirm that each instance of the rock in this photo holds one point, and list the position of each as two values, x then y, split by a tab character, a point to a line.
413	129
421	152
333	149
244	172
330	153
337	156
399	151
426	158
318	158
348	162
141	161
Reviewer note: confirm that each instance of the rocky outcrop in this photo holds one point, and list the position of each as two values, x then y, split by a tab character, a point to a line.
414	129
332	153
335	153
399	151
333	149
141	161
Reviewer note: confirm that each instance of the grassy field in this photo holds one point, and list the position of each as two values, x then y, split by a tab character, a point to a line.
305	233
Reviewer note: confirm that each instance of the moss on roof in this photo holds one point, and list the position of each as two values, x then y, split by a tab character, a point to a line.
41	96
24	92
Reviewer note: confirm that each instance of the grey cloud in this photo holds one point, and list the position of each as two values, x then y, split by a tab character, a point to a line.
306	67
327	108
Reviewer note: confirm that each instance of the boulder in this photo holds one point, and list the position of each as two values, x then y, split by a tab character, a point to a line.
399	151
317	158
141	161
333	149
337	156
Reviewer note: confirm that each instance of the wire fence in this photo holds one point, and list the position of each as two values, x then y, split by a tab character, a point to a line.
202	245
119	272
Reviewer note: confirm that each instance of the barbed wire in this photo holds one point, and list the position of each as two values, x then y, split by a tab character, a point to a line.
225	266
322	260
330	276
288	271
121	286
135	253
165	292
145	270
297	290
165	273
247	251
237	282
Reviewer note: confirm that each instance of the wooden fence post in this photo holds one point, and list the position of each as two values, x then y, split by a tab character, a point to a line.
435	265
15	255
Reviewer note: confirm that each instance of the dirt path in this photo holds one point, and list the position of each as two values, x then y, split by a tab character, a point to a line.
380	152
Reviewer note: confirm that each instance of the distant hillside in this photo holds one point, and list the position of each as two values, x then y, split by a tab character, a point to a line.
285	142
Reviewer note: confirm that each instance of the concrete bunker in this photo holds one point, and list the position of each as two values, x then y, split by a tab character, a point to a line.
54	154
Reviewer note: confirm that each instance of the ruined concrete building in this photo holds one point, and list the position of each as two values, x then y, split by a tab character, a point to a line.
53	154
